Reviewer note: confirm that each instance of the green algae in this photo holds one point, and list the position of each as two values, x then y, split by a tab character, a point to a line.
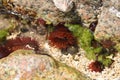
73	73
117	47
104	60
85	37
3	34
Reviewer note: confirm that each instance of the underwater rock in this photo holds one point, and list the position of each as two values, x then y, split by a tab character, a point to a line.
6	22
63	11
48	11
109	21
88	10
26	65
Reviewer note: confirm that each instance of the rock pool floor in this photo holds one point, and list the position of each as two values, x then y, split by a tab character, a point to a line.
80	62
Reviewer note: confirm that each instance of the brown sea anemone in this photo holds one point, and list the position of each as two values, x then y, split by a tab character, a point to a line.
61	37
18	43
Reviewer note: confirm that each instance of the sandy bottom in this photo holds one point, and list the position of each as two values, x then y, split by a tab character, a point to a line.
80	62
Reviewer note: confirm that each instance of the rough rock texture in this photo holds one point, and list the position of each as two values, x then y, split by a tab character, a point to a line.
47	10
26	65
109	21
108	13
86	10
5	22
81	63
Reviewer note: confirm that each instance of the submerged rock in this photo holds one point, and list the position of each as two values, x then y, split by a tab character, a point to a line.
109	21
63	10
48	11
26	65
88	10
6	23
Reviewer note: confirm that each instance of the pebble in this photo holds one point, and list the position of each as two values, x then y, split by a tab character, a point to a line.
64	5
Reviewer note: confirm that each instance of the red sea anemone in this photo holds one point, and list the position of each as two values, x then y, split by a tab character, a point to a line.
95	66
61	37
17	43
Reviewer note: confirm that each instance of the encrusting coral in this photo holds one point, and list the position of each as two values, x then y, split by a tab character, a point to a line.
61	37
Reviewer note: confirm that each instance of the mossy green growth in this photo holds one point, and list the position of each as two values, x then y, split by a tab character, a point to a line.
83	35
104	60
117	47
85	38
3	34
91	52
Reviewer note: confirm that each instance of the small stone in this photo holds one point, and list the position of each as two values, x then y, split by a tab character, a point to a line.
24	30
72	50
64	5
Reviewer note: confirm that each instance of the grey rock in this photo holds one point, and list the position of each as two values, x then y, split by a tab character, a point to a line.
88	10
48	11
26	65
80	10
109	21
5	22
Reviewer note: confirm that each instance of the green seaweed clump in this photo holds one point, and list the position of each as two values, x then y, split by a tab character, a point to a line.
117	47
3	34
86	40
